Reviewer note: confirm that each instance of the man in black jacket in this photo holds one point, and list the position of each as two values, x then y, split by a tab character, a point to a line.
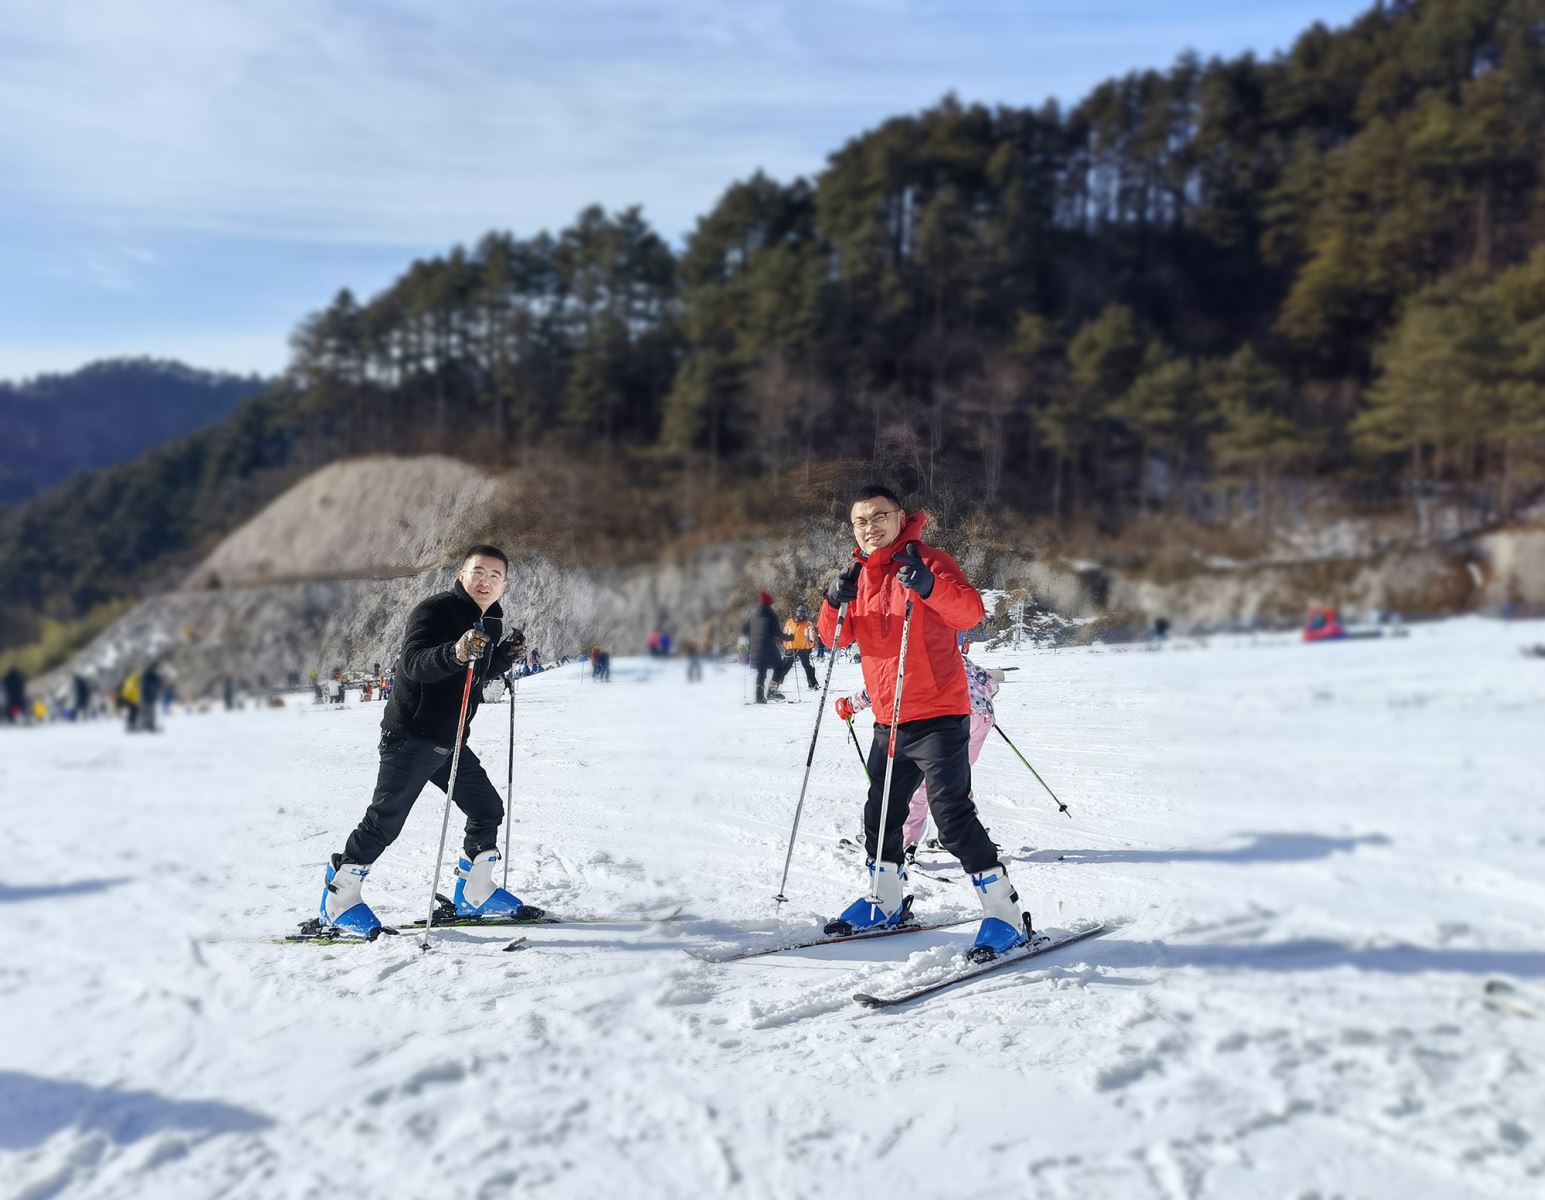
763	630
448	634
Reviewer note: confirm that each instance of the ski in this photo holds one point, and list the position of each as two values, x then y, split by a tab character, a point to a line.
1042	945
314	933
825	940
447	918
1505	997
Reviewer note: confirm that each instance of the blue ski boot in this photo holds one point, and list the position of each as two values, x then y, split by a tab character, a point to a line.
889	907
478	896
1004	925
342	907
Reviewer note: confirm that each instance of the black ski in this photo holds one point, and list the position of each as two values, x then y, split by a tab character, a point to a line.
1043	944
826	940
314	933
446	918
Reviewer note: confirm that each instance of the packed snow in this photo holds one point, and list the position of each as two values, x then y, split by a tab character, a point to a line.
1312	859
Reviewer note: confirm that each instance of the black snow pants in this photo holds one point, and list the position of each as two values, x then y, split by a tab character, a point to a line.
936	750
803	657
407	764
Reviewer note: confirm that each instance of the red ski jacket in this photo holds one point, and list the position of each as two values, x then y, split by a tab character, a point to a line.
936	678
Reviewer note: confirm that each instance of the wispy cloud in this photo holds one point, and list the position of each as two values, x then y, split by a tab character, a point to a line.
401	121
189	177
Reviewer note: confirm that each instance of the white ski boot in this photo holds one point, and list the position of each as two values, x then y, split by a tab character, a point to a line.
478	896
342	906
1004	925
889	907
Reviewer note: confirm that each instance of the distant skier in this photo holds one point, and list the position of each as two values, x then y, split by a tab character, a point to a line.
983	687
798	640
419	732
150	696
762	630
129	696
15	696
933	738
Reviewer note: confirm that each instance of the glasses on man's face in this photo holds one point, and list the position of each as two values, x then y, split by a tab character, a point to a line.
482	573
862	523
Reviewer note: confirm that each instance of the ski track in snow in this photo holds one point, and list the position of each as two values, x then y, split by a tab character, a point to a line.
1312	857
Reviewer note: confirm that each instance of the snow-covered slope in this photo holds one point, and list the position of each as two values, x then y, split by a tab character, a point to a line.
1316	857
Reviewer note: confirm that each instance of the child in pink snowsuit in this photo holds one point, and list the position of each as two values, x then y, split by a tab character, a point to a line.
983	686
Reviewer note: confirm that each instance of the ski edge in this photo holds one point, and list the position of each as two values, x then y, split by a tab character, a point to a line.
863	936
976	970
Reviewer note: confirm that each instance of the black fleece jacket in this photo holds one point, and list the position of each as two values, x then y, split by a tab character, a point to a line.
426	692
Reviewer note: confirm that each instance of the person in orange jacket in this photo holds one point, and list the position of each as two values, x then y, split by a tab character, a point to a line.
798	642
891	566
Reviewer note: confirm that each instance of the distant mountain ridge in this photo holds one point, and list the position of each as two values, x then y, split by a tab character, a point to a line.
107	412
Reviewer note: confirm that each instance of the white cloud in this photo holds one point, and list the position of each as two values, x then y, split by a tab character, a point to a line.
396	121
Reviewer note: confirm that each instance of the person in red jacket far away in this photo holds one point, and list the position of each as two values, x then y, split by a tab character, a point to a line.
892	564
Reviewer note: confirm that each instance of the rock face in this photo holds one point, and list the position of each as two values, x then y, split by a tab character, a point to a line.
324	578
1423	581
1515	565
365	518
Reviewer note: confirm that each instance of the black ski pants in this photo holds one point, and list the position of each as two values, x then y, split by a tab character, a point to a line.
788	665
407	764
937	750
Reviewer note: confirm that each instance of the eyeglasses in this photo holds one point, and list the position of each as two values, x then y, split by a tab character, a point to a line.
861	524
481	573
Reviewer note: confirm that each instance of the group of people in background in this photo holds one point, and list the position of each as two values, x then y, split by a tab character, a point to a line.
138	697
375	686
772	649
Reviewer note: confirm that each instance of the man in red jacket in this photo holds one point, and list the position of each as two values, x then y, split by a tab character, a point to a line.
933	734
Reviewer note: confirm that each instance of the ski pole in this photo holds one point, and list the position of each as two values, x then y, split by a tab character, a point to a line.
1063	807
509	785
862	761
890	763
450	788
820	711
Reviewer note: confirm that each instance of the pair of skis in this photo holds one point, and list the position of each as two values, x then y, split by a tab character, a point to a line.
1039	944
314	933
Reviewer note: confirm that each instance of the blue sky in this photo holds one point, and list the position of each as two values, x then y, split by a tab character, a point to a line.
188	178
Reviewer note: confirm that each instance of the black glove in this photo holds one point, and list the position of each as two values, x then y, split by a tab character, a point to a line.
914	571
471	645
844	588
516	642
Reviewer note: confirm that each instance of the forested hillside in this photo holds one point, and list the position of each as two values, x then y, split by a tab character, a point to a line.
107	412
1195	292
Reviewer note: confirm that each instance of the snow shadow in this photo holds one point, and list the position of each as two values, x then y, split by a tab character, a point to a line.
52	891
33	1109
1262	848
1321	954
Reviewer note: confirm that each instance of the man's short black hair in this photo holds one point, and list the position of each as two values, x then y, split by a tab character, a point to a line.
487	551
877	491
